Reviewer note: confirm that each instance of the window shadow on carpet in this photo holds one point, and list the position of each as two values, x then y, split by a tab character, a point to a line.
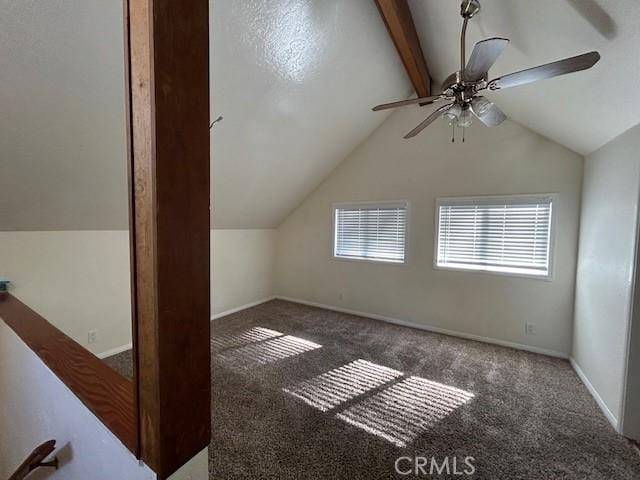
376	399
335	387
379	401
259	346
402	412
253	335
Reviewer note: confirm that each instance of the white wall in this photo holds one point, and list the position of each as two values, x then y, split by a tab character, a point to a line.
631	412
36	406
504	160
605	272
40	407
243	268
79	281
195	469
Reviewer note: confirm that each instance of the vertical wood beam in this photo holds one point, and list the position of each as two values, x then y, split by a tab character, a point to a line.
399	22
169	119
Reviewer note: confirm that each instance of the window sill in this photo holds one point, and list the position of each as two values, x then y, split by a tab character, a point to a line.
367	260
547	277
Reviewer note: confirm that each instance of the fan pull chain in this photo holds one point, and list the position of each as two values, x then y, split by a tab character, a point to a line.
463	135
453	133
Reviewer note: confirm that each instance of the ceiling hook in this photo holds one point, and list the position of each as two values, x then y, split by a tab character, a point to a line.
219	119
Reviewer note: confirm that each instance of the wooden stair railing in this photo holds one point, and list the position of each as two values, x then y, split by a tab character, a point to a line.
36	460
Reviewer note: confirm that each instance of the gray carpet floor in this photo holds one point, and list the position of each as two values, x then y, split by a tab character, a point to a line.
305	393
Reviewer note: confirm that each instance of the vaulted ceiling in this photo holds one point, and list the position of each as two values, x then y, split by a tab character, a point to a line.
582	111
294	80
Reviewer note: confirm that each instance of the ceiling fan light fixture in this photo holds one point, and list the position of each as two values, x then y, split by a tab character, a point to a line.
453	114
480	105
461	89
466	118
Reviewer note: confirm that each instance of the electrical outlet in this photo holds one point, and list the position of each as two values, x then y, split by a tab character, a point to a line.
341	297
93	336
529	329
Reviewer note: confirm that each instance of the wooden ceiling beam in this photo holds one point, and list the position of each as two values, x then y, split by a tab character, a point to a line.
399	21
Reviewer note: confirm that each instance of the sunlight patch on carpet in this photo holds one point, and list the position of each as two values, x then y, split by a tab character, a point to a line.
332	388
400	413
268	351
230	340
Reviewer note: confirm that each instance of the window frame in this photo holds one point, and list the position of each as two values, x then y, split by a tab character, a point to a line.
488	199
371	204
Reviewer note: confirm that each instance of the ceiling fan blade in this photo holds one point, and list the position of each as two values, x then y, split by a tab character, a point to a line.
549	70
411	101
484	55
488	112
428	121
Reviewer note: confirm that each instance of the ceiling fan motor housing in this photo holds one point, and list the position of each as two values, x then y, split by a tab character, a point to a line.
469	8
455	87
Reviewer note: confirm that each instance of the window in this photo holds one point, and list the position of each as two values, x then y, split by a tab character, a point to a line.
375	232
498	234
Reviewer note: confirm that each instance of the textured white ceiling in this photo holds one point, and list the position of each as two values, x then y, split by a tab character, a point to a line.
62	116
582	111
295	81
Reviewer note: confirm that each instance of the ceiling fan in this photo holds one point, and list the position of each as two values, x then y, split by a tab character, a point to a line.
460	89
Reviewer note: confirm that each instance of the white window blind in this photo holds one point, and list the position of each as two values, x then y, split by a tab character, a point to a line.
501	234
370	232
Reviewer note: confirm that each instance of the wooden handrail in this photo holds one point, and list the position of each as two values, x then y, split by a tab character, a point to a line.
36	460
105	392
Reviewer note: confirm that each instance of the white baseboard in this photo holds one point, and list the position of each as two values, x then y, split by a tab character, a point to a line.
114	351
610	416
594	393
240	308
129	346
429	328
